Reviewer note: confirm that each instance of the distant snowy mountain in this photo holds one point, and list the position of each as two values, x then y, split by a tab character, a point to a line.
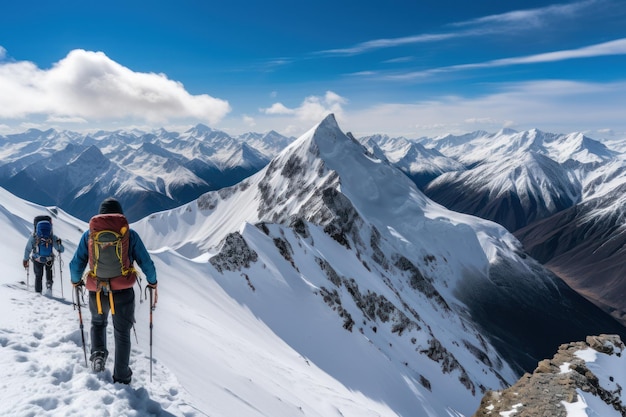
513	178
269	144
480	146
562	194
147	171
516	178
514	191
420	164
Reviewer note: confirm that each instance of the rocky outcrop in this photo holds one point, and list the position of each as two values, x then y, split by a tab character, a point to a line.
234	254
557	381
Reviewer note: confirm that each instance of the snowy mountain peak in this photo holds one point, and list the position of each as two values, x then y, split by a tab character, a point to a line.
507	131
328	130
89	157
205	133
199	129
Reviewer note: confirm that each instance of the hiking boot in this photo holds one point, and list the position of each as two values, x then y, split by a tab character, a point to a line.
98	360
124	380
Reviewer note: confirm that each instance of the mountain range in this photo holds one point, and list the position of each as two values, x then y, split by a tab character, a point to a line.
559	193
326	283
146	171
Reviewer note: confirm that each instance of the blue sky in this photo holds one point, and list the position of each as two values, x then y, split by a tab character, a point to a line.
398	67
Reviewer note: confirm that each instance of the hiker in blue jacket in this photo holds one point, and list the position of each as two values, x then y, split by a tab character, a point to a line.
41	260
114	293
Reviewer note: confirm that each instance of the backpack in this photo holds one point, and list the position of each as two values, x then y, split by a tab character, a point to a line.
109	244
43	242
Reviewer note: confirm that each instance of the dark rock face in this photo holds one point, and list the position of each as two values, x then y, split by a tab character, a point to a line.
526	313
235	254
556	380
586	247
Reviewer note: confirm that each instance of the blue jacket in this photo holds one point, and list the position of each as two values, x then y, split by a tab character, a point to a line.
30	246
138	253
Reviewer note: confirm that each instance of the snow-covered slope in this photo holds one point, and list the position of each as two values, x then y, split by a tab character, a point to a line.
513	191
212	355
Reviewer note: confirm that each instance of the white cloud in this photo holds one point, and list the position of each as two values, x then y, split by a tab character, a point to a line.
481	121
66	119
313	108
277	108
89	85
248	121
3	53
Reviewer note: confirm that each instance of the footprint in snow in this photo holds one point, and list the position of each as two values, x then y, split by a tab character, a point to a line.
43	373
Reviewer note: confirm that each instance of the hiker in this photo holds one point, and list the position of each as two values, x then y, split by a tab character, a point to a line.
110	248
39	248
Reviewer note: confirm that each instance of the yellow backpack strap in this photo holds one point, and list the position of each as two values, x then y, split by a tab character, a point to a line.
98	302
107	286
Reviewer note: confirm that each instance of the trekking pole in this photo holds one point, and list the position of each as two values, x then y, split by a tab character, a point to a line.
152	307
80	319
27	277
61	273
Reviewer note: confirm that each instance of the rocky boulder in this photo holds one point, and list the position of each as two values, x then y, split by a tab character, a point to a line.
556	385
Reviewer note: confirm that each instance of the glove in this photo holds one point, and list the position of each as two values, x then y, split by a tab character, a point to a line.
59	242
25	263
154	292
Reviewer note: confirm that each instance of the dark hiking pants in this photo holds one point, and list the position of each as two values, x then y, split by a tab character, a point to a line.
123	320
38	268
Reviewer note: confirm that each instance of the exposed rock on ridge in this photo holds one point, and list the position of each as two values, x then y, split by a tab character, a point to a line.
555	381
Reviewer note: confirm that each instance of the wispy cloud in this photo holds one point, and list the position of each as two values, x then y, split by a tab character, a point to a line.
616	47
388	43
90	86
531	18
524	20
